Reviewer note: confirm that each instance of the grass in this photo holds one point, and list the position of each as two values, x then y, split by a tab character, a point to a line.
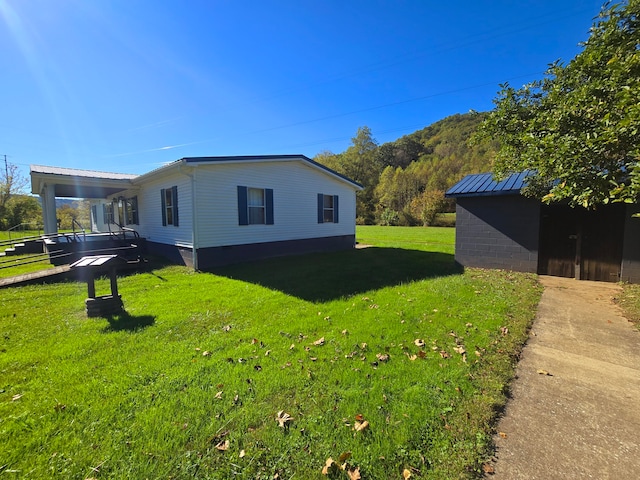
188	383
12	265
629	301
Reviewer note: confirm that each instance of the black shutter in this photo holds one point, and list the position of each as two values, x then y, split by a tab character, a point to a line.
164	207
174	200
243	214
268	200
320	208
335	209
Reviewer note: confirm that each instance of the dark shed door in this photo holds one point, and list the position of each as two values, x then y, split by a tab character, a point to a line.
601	249
558	234
590	239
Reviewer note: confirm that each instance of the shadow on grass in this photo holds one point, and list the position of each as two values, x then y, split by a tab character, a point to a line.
329	276
125	321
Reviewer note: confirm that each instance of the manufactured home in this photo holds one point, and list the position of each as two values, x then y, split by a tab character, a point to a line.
211	211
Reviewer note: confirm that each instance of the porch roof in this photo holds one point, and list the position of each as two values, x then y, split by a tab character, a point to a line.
77	183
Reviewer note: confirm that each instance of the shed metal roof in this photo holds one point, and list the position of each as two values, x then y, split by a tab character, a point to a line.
483	184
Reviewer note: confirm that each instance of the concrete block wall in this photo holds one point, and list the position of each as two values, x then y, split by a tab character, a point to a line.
498	232
630	269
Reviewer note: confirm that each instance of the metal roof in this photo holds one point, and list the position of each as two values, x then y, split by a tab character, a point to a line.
483	184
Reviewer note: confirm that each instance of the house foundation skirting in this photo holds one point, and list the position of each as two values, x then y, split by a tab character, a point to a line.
219	256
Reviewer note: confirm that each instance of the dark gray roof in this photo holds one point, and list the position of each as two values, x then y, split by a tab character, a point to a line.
483	184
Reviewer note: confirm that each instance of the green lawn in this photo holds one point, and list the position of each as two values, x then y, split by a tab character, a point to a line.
387	359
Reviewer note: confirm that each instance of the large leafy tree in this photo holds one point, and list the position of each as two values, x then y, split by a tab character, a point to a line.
578	129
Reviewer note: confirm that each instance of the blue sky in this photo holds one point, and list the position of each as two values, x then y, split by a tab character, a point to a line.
127	85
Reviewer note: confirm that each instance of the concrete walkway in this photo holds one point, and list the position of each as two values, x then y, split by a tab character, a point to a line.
581	419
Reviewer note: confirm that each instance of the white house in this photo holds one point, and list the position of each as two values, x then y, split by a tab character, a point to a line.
210	211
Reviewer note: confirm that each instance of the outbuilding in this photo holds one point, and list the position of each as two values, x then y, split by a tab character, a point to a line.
211	211
498	227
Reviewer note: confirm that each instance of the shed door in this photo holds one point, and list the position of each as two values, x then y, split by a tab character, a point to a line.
558	235
601	249
589	239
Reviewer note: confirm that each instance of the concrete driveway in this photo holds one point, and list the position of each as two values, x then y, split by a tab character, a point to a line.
575	406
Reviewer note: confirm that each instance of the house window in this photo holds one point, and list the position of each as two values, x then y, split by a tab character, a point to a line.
107	212
327	208
255	206
131	211
169	200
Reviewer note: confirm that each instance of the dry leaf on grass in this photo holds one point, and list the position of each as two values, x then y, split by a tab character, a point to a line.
283	419
419	342
361	426
382	357
354	473
330	467
406	474
319	342
223	445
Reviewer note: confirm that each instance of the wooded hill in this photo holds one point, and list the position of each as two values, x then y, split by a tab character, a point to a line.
405	180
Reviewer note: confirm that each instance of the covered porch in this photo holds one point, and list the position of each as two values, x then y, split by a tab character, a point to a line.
56	182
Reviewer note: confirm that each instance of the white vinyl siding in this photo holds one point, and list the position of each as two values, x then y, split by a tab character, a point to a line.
150	211
295	195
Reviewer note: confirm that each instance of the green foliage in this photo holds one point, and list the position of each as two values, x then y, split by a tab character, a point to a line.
395	173
78	211
427	206
578	128
20	209
202	359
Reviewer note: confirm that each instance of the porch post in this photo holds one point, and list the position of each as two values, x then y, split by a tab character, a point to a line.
48	196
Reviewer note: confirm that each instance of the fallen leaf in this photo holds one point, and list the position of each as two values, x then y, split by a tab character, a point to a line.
412	357
206	354
502	434
487	468
382	357
319	342
444	354
218	395
354	473
422	354
17	396
226	328
254	341
344	456
223	445
460	349
293	345
504	330
363	346
406	474
419	342
359	417
544	372
361	426
330	467
267	353
283	419
242	453
345	332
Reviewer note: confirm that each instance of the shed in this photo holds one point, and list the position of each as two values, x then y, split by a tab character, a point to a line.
498	227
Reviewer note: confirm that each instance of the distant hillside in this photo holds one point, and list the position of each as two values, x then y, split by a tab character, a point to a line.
405	179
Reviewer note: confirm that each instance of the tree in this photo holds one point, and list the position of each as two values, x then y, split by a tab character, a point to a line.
11	183
578	129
